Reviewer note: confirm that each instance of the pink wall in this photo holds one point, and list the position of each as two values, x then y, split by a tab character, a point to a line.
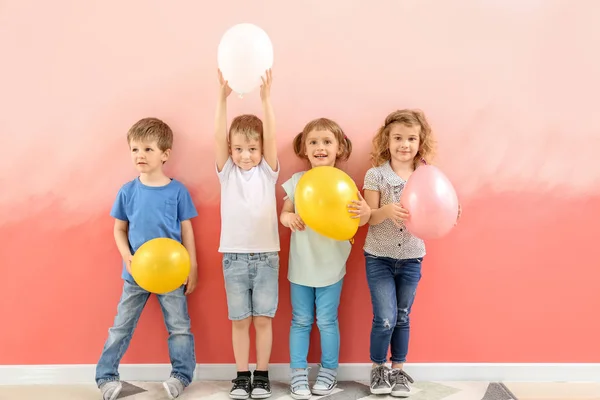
510	86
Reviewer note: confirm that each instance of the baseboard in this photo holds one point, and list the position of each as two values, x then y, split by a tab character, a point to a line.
531	372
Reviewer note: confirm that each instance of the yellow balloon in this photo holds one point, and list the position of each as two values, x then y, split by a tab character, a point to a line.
322	197
160	265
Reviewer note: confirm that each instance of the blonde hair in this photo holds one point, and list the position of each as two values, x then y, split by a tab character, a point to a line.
151	129
247	125
410	118
323	124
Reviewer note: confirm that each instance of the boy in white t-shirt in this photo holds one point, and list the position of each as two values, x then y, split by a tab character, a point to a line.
248	169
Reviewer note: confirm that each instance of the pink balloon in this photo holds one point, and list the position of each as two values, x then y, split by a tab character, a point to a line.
431	202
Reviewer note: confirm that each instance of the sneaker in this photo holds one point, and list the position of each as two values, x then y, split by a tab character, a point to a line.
326	382
111	389
261	387
299	384
241	388
174	387
380	380
399	380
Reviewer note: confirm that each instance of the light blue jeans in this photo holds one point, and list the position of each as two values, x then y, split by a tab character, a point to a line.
327	300
176	317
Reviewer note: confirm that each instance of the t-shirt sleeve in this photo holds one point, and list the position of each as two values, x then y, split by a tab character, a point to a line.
266	169
226	171
185	205
372	180
118	210
289	186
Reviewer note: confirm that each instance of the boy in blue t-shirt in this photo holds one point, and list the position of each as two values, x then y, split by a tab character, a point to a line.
151	206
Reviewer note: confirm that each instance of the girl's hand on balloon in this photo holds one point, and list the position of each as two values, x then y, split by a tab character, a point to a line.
397	213
295	222
225	89
265	88
359	208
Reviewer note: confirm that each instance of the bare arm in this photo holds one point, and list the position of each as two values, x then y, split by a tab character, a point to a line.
269	141
378	215
121	239
286	210
188	241
221	142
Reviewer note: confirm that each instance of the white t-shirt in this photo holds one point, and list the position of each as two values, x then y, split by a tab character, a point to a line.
315	260
249	221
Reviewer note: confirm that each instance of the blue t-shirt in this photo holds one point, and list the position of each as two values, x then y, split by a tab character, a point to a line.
152	212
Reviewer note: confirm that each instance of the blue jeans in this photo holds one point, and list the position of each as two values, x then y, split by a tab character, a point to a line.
327	300
177	320
393	285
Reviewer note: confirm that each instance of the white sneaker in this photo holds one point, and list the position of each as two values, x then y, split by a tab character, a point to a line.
326	382
300	390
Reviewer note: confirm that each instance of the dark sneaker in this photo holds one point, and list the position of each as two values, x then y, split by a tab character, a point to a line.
241	388
261	387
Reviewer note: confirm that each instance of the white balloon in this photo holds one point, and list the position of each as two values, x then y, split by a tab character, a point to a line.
244	54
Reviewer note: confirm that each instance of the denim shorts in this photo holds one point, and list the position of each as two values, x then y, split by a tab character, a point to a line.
251	284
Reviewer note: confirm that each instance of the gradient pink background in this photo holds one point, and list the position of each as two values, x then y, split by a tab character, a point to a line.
510	86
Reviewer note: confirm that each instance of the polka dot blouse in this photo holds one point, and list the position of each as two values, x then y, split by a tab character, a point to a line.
386	239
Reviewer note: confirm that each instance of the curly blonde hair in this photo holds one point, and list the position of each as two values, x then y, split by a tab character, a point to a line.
323	124
410	118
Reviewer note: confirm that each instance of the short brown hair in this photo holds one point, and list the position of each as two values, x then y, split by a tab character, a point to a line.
381	142
248	125
323	124
152	129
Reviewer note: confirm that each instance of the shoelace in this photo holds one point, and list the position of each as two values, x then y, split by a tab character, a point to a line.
261	382
400	376
379	375
241	382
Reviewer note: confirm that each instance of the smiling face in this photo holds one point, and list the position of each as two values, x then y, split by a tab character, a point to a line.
404	142
146	156
246	153
322	148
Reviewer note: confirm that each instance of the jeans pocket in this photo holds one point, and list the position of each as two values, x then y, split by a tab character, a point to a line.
273	261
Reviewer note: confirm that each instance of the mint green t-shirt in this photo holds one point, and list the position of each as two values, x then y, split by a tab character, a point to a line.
315	260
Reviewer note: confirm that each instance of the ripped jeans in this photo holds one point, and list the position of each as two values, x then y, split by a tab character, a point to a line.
393	285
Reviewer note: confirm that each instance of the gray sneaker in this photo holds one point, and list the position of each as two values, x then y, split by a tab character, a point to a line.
174	387
399	380
380	381
110	390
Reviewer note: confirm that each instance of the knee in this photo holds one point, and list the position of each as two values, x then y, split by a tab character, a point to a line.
403	318
242	324
327	320
385	321
262	323
302	320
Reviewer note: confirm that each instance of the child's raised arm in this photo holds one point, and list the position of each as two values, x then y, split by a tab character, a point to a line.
269	141
221	142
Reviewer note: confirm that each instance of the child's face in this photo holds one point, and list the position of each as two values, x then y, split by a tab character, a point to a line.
146	156
245	153
322	148
404	142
